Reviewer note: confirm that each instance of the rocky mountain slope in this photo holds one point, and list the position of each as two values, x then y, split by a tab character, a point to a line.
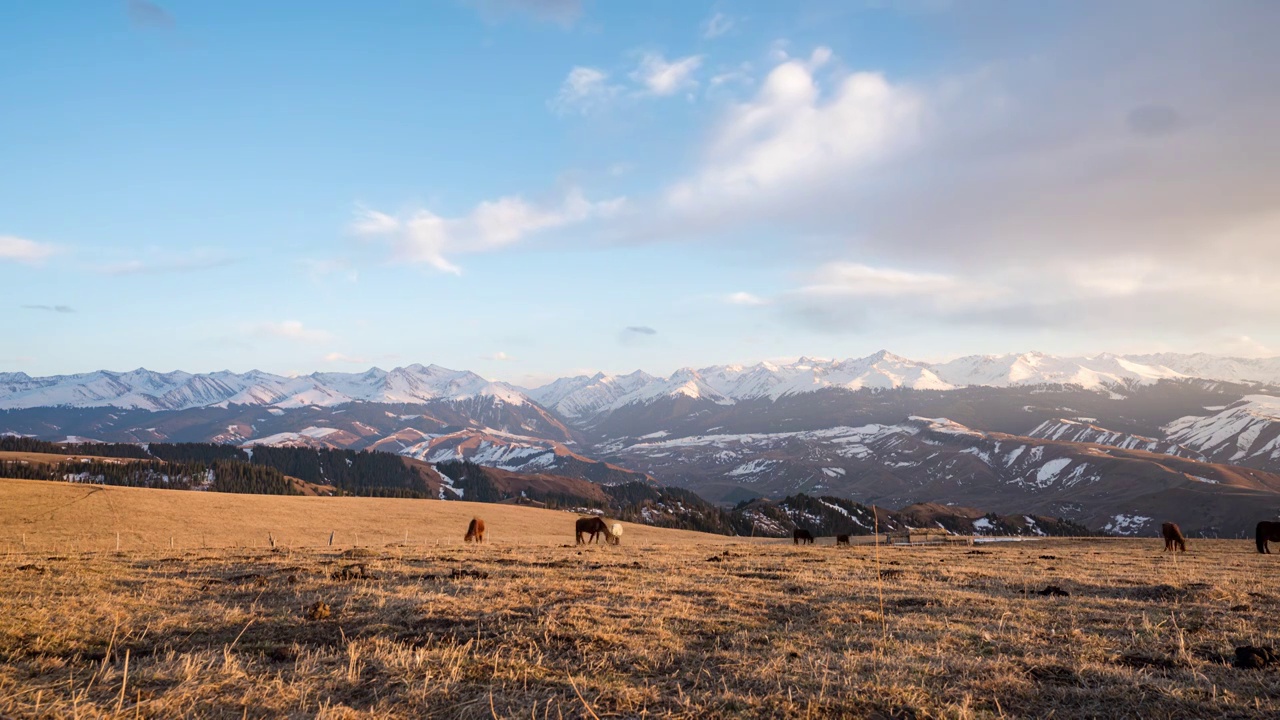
1246	432
921	460
1082	432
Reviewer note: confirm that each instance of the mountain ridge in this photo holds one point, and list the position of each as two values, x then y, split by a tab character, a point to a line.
578	398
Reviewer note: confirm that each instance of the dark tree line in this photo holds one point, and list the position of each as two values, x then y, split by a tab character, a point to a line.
14	443
366	473
825	516
221	476
196	452
357	473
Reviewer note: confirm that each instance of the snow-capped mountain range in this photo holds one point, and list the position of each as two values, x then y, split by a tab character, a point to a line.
581	397
143	389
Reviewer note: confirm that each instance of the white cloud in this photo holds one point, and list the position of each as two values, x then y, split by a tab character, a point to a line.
858	280
499	357
745	298
854	296
792	135
25	251
424	237
289	330
337	357
716	25
585	90
662	78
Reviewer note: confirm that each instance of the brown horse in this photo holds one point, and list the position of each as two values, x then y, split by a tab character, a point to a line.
801	535
1173	538
1267	532
592	526
475	531
842	539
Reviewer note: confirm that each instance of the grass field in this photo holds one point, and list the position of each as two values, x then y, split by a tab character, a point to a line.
669	624
68	517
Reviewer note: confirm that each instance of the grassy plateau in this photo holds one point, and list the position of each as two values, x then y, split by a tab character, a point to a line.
197	615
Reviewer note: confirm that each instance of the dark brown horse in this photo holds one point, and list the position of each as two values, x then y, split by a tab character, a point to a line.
592	526
1267	532
475	531
801	535
842	539
1173	538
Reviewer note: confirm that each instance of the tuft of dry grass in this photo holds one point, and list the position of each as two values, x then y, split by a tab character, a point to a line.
740	629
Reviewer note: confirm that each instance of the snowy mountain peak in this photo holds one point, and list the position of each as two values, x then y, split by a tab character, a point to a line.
886	356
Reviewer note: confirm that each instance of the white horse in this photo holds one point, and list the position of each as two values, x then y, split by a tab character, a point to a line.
615	534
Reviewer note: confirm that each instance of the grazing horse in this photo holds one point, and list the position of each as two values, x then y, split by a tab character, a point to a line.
614	536
801	535
1173	538
592	526
475	531
842	539
1267	532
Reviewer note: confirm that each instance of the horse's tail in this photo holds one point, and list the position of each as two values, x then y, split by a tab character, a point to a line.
1262	537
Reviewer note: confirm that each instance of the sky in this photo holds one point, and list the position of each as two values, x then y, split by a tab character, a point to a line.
537	188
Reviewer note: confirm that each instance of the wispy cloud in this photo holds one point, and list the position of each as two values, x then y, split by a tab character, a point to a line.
745	298
25	251
158	266
422	236
732	77
850	279
337	357
636	335
146	14
289	330
498	357
585	90
563	12
50	308
716	25
660	77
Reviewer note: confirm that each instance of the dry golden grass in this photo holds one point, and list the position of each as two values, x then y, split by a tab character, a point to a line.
72	517
732	629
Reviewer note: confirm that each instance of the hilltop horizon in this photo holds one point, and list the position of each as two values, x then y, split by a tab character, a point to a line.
776	362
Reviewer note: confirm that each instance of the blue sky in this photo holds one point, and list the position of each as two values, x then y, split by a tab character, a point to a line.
531	188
